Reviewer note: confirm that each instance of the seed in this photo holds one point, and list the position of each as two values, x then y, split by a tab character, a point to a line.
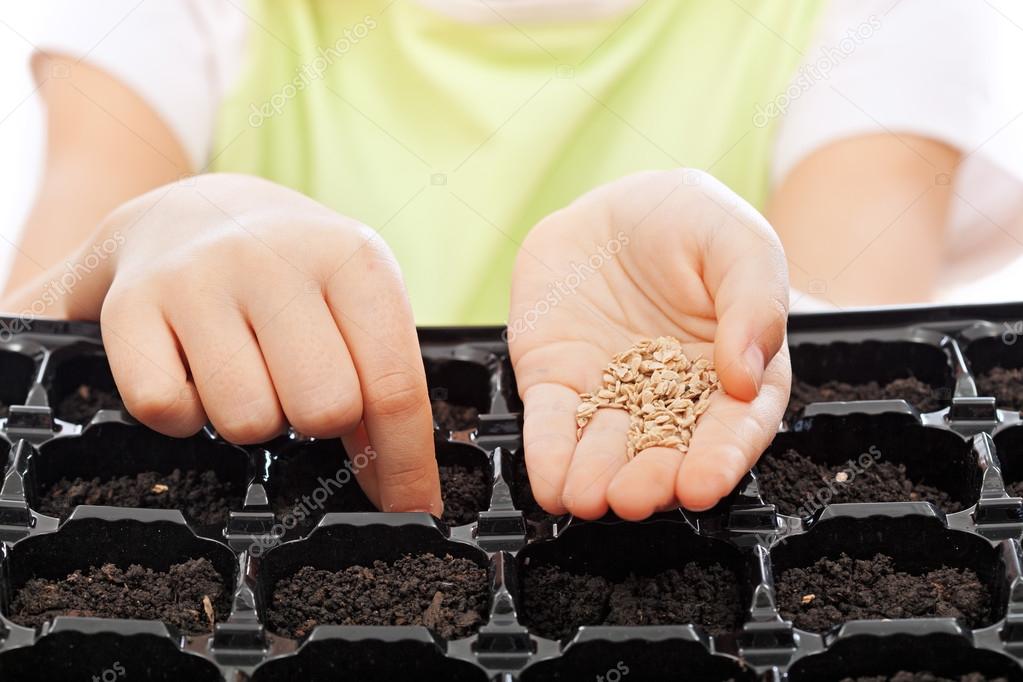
159	488
663	391
807	598
207	606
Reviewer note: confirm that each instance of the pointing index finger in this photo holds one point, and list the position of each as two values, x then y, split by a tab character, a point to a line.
372	310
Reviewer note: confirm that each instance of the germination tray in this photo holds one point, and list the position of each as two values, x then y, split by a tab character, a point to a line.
551	584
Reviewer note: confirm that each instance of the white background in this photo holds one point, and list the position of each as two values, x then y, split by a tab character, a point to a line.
21	140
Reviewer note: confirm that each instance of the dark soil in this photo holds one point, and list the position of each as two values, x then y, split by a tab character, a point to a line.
556	602
81	405
179	597
915	392
799	486
452	417
1006	385
830	592
903	676
464	489
198	493
449	596
1015	489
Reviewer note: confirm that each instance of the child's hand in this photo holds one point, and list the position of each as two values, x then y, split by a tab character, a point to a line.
236	299
661	253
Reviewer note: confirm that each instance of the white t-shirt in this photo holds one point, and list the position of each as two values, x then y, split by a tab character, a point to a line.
944	69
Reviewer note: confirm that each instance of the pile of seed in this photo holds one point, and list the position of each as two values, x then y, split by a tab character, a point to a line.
663	391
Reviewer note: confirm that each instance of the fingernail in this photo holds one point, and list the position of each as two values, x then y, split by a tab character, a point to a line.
753	358
433	508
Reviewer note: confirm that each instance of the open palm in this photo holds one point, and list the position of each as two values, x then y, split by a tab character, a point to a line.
661	253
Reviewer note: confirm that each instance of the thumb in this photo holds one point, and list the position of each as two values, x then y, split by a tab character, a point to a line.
747	275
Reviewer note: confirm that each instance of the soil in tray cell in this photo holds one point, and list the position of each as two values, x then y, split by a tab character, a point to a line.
903	676
82	404
190	596
1015	489
200	494
915	392
465	491
832	591
557	601
447	595
453	417
1006	385
798	485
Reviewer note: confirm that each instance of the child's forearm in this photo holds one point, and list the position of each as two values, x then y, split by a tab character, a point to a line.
97	157
70	289
863	220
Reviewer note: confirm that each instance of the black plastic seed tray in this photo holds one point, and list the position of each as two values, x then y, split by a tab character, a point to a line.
770	585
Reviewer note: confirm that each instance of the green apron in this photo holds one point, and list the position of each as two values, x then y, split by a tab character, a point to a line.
453	139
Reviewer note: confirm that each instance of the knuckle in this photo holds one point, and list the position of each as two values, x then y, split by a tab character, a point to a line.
114	305
374	258
251	248
330	420
249	422
246	430
398	393
150	405
338	237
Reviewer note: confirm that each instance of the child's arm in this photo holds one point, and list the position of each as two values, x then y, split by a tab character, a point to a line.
864	219
104	145
224	297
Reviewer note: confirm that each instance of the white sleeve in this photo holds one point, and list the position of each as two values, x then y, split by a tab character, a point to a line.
180	56
943	69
